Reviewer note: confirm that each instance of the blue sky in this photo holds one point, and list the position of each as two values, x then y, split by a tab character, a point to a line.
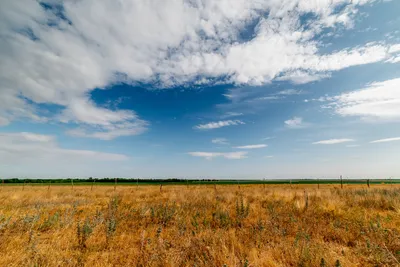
200	89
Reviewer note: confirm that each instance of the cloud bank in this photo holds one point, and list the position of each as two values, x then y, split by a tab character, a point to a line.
56	52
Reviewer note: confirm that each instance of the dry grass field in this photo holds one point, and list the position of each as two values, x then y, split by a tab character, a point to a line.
250	225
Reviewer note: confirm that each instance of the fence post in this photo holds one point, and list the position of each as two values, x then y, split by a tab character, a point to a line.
72	183
368	183
160	188
115	184
341	182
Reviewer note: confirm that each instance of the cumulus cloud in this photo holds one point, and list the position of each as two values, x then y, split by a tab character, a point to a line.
395	59
220	141
218	124
333	141
377	101
252	146
227	155
295	123
65	49
386	140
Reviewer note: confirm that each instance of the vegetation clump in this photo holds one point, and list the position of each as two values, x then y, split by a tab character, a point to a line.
272	225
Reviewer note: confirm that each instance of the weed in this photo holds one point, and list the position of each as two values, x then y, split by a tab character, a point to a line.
242	211
163	214
111	220
83	232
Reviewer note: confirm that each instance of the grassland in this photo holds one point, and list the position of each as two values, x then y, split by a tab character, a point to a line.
200	225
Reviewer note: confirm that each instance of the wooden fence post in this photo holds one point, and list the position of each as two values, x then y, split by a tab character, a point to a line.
341	182
368	183
115	184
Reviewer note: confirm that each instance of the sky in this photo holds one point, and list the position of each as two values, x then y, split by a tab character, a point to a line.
240	89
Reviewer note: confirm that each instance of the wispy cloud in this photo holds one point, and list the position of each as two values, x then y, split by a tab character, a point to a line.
302	77
218	124
20	147
231	114
333	141
273	97
352	145
378	101
290	92
220	141
268	138
386	140
295	123
252	146
227	155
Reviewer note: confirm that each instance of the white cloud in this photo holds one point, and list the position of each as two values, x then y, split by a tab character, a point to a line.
231	114
352	145
290	92
295	123
167	43
227	155
386	140
112	131
218	124
377	101
265	98
302	77
20	148
268	138
333	141
394	48
220	141
252	146
395	59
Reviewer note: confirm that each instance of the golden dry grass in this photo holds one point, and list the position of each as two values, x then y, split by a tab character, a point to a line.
255	225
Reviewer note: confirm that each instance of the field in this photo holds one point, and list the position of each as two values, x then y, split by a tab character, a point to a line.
200	225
